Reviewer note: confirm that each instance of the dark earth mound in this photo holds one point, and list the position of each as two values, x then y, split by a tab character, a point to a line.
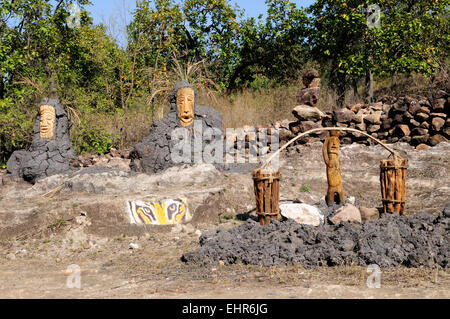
46	156
153	154
411	241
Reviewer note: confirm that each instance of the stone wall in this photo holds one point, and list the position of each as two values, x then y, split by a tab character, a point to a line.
414	120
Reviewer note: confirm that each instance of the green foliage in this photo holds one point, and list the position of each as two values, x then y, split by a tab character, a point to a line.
15	129
305	188
91	139
210	43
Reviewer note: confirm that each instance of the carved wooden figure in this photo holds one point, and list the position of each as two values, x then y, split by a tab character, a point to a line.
331	158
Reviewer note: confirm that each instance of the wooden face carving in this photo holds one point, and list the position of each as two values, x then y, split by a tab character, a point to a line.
185	106
333	145
47	121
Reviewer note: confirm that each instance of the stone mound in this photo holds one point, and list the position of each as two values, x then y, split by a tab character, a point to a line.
411	241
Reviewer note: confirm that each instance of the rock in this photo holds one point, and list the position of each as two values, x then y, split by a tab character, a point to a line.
351	200
361	126
400	107
421	116
413	122
420	139
369	213
425	110
446	211
439	105
402	130
436	139
437	123
343	115
422	147
425	125
419	131
308	125
355	108
347	213
413	109
307	113
374	118
302	214
358	118
373	128
386	124
308	96
133	246
198	233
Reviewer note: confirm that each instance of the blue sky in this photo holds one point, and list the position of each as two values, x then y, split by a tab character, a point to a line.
105	9
117	13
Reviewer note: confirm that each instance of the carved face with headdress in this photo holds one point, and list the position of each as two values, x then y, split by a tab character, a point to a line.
334	143
185	105
47	121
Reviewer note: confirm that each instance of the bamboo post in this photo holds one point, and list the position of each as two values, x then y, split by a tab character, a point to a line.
267	193
393	184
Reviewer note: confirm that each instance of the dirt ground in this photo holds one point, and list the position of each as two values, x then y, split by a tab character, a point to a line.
42	234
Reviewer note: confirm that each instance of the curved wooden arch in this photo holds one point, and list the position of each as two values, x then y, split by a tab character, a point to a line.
345	129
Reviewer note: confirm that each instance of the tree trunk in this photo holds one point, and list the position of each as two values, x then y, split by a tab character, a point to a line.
2	87
356	95
369	87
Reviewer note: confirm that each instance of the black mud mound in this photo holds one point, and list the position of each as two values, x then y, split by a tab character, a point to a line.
416	241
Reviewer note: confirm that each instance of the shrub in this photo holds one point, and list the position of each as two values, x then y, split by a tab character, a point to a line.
91	139
16	129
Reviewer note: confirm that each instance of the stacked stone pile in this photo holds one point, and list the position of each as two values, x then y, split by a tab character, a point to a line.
414	120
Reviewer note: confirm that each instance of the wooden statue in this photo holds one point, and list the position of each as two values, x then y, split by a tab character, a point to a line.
331	158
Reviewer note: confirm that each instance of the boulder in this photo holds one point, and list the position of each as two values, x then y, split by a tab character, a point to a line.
421	116
439	105
369	214
402	130
347	213
374	118
308	113
436	139
422	147
420	139
309	96
419	131
437	123
343	115
302	214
